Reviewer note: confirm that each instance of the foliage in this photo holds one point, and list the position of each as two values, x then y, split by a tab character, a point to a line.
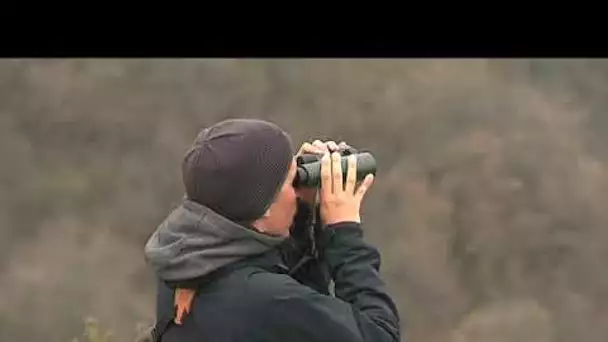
488	205
94	333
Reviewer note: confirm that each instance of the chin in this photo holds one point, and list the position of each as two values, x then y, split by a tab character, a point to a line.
281	233
284	233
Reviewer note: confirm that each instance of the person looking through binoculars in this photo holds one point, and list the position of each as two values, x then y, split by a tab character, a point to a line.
267	244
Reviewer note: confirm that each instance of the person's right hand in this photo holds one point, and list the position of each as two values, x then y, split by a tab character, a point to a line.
309	195
341	202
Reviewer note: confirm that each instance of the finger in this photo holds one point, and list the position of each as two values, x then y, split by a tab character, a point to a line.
309	148
365	185
343	145
319	145
305	147
332	146
351	175
336	173
326	183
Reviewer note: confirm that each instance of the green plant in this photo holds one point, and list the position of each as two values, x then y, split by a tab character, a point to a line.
93	332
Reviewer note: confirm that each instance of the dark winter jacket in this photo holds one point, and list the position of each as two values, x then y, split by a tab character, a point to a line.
246	292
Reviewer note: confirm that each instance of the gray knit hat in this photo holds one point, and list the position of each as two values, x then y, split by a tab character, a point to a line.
237	166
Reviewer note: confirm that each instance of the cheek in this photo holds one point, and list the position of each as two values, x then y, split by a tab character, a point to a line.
289	202
284	198
293	197
292	193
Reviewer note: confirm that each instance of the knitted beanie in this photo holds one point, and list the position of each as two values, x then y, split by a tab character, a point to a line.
237	166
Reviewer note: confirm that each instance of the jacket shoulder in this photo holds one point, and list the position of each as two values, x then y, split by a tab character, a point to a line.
296	312
268	285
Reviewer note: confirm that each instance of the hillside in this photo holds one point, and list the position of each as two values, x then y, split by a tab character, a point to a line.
488	207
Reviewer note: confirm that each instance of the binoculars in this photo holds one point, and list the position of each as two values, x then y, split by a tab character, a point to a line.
309	167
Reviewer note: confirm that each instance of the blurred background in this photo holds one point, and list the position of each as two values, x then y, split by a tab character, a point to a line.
488	207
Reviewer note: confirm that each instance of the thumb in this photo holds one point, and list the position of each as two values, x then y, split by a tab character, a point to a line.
365	185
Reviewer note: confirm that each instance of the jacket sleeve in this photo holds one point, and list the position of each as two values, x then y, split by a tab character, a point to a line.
362	309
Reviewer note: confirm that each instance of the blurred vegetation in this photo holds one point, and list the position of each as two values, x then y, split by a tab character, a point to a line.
488	207
93	332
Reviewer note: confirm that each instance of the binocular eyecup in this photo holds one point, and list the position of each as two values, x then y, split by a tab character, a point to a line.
309	168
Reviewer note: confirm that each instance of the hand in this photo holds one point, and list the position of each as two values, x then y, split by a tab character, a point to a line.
341	202
318	147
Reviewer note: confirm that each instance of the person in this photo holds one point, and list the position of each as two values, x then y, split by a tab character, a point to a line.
226	257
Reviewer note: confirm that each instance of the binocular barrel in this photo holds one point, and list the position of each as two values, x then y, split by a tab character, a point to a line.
309	169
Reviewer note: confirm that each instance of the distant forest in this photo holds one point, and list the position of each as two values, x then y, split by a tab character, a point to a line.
489	207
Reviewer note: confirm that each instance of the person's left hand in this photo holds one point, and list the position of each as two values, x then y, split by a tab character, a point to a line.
318	147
